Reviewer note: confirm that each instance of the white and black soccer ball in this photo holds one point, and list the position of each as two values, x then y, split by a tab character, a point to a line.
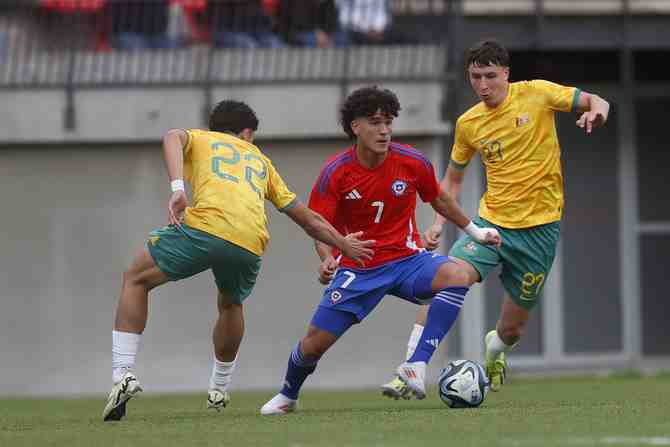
463	384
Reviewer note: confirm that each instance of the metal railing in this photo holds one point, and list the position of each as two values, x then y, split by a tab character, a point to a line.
106	43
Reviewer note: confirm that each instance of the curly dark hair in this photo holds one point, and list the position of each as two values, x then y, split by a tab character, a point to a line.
233	117
366	101
487	52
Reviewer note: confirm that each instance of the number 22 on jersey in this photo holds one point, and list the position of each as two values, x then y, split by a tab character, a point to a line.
219	163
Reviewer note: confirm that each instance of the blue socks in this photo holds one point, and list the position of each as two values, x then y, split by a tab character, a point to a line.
442	314
296	373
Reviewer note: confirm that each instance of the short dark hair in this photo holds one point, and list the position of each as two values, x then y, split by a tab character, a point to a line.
487	52
233	117
366	101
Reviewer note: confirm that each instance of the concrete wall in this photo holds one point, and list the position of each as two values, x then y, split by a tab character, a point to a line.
73	216
132	115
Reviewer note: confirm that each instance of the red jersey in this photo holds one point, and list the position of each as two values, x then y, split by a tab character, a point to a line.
381	202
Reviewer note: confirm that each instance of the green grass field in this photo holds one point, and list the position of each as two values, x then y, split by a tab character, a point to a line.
623	410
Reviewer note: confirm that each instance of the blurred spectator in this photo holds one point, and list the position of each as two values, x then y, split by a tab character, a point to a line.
69	24
140	24
271	7
241	24
369	22
310	23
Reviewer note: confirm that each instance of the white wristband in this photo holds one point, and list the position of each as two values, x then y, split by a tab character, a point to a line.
474	231
177	185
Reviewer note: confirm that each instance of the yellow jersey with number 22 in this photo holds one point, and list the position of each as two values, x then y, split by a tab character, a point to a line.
230	179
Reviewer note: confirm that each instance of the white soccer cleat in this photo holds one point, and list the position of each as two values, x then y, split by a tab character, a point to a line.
121	393
279	404
396	389
414	374
217	399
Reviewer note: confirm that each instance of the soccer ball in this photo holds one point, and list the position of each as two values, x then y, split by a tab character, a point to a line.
463	384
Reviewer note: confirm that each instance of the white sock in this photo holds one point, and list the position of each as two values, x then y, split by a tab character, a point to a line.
222	374
414	338
124	350
495	346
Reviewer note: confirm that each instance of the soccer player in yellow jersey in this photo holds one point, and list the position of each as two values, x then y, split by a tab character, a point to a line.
223	230
514	132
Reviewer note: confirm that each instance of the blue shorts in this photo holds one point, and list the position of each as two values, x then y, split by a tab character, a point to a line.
358	291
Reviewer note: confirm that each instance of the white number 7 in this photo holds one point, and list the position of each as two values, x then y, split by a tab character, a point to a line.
380	209
351	277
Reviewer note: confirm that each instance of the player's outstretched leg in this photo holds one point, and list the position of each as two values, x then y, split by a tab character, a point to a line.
501	340
299	368
227	336
496	365
442	314
396	388
305	356
131	318
124	390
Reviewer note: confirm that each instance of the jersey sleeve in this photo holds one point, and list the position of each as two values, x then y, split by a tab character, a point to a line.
190	136
462	151
323	198
187	150
427	185
277	191
558	98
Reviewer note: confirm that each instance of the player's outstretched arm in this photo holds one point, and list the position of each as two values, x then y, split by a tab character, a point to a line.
173	146
448	206
319	228
596	110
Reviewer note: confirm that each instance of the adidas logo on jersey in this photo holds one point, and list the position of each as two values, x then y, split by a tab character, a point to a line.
433	342
353	195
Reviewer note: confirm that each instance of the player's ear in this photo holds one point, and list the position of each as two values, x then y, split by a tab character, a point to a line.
506	73
247	135
355	127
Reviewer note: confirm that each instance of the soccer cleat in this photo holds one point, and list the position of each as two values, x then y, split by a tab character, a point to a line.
121	392
396	389
413	374
217	399
279	404
496	368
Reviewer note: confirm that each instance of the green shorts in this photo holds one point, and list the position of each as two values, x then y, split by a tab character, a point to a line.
526	256
180	252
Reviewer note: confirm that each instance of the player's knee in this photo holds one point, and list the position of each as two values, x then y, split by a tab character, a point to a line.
311	348
132	277
315	343
460	277
453	275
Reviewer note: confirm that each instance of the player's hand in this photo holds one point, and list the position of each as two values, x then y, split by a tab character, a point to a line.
431	237
486	236
490	236
176	206
357	249
590	120
327	270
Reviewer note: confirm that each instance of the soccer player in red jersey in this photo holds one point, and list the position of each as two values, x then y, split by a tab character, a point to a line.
371	188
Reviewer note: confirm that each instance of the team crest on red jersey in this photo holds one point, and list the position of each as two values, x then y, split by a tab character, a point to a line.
398	187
